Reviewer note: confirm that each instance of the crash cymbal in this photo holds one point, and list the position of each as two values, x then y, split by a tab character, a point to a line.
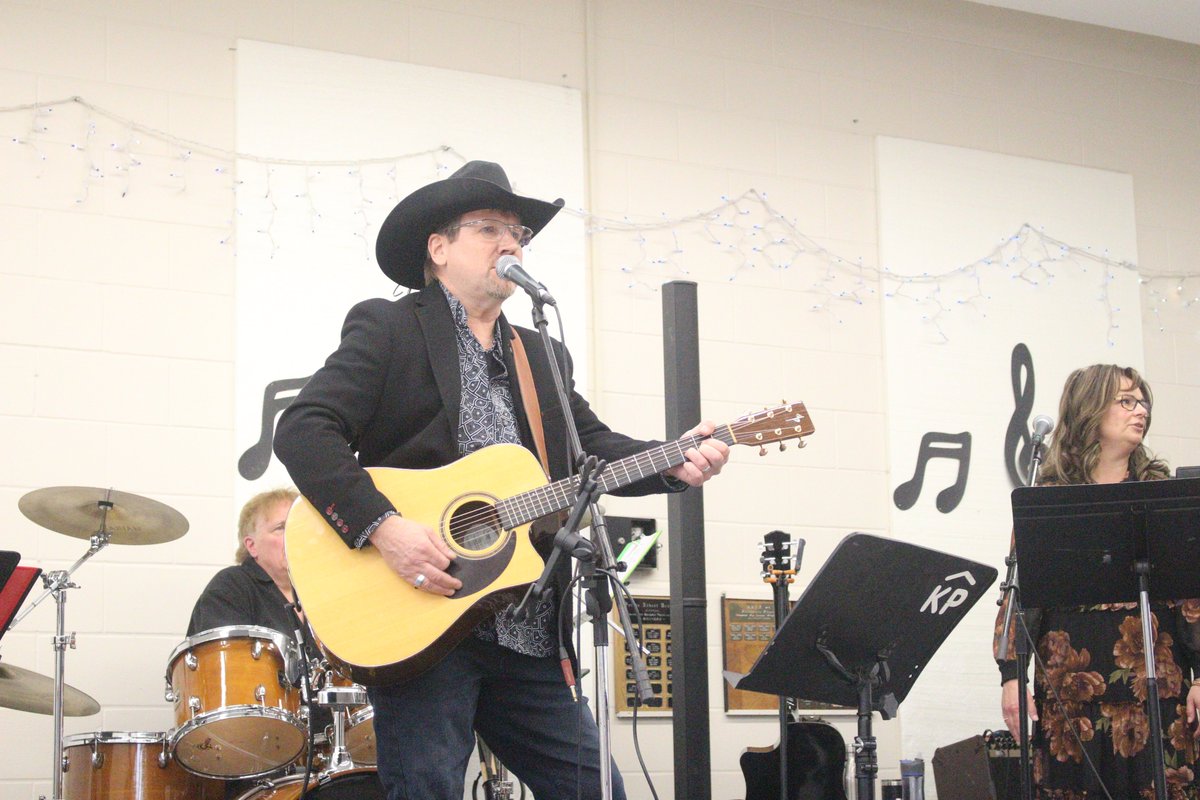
28	691
79	511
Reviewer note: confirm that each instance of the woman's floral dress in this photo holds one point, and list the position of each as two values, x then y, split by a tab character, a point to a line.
1092	680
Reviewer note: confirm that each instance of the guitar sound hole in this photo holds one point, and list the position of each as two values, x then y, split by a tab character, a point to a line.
475	525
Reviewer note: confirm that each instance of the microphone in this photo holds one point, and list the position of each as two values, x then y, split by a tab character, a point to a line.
1042	425
509	268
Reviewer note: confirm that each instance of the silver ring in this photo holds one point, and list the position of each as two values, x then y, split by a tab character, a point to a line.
706	469
419	581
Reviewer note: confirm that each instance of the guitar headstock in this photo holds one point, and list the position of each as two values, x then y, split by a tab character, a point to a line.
776	552
777	424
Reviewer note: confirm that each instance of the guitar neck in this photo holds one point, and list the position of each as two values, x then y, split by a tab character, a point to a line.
536	503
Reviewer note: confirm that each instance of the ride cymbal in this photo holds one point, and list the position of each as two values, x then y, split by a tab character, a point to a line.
82	511
25	690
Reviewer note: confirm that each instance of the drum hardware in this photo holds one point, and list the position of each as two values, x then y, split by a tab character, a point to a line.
350	705
493	777
102	516
341	700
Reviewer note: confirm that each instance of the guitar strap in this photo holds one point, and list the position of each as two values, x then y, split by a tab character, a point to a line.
529	399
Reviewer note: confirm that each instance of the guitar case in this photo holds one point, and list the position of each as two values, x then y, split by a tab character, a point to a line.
816	756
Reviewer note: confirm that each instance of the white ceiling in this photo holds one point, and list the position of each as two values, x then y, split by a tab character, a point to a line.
1170	19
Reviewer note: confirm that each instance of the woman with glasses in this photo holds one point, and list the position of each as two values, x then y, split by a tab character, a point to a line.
1090	683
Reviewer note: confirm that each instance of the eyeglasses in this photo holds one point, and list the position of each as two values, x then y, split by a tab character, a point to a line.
1129	403
492	230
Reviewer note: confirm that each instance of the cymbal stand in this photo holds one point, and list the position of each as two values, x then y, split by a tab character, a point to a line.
57	582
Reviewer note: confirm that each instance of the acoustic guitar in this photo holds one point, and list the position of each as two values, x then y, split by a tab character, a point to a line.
816	755
813	755
379	629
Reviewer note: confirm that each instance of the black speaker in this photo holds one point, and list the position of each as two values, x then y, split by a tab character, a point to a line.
975	770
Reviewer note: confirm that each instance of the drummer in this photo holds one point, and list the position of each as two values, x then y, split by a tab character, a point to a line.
258	590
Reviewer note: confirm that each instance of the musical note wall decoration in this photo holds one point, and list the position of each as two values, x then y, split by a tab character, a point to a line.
277	396
1017	463
954	446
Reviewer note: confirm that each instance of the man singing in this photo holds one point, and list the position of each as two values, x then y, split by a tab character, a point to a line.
420	382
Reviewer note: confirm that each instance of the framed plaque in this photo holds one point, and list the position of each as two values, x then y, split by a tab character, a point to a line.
746	627
656	650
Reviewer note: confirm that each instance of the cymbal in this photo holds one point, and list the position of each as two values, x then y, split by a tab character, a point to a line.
29	691
79	511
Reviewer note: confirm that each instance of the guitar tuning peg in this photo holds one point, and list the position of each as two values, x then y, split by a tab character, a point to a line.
762	449
782	447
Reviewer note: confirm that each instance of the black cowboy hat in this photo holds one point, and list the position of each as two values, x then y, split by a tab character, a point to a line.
401	246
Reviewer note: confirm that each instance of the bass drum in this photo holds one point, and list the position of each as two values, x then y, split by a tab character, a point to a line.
351	784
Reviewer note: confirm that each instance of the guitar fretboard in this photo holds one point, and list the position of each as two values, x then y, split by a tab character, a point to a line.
536	503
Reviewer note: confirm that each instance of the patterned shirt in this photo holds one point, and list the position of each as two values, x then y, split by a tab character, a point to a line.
486	417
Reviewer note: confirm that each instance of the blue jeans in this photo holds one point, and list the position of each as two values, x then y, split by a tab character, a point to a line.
425	728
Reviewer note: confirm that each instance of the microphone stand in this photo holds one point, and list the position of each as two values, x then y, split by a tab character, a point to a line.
1012	591
603	562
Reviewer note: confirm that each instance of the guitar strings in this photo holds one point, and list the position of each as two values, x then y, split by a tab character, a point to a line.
535	500
541	500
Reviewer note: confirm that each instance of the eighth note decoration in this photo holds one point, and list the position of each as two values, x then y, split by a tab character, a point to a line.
953	446
277	396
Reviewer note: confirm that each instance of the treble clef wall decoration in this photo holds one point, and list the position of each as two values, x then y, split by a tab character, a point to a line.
1017	463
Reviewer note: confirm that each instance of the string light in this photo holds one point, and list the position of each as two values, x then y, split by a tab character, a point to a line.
739	237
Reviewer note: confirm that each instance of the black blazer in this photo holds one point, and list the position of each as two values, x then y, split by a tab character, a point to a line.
390	395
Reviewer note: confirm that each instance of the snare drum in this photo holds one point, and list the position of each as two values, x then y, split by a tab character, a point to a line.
237	709
111	765
351	784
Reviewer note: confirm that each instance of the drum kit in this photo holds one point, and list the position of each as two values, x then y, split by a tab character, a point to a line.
241	694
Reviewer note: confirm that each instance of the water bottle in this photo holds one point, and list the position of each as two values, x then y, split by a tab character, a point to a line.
912	777
892	789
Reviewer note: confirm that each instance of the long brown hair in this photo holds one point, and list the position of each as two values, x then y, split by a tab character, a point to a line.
255	507
1074	448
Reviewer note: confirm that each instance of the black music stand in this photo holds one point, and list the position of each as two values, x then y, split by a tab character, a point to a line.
1101	543
864	629
15	583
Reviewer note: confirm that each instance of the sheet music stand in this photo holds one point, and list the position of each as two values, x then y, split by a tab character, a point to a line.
15	583
864	629
1101	543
